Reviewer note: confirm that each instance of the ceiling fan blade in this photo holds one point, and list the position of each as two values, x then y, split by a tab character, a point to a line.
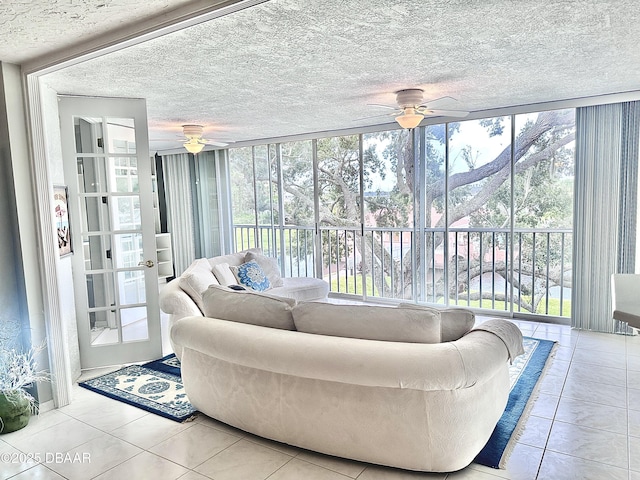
392	107
437	101
444	113
377	116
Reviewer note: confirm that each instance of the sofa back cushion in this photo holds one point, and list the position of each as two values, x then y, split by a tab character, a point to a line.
233	259
223	273
368	322
196	279
454	322
269	266
246	306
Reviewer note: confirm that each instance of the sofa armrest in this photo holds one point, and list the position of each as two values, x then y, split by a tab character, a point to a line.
175	301
473	359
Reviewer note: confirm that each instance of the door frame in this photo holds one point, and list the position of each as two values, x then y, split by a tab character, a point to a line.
42	187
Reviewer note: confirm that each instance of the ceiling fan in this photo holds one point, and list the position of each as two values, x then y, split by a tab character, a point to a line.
195	143
412	108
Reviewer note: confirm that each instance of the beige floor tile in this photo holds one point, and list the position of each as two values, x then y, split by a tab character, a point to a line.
633	396
145	465
13	461
558	368
634	448
603	359
536	431
634	423
243	460
149	430
113	414
585	373
93	458
37	423
191	475
38	472
545	406
633	363
634	475
278	446
350	468
593	415
195	445
59	438
633	379
376	472
524	462
589	443
552	384
218	425
470	473
564	353
556	466
297	470
616	396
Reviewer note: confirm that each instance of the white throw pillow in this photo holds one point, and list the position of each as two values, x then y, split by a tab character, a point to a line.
196	279
454	322
247	306
368	322
223	273
269	266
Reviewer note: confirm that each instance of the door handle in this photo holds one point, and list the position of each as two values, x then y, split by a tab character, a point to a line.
148	264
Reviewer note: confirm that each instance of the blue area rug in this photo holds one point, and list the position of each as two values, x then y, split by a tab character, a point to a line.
155	387
524	374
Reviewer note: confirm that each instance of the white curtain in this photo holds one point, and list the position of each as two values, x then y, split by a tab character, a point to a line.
177	182
605	206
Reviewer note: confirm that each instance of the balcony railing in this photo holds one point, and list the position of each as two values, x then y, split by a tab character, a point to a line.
484	268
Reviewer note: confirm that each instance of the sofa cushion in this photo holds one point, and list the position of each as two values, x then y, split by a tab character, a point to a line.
454	322
302	289
247	306
368	322
223	273
269	266
251	275
196	279
233	258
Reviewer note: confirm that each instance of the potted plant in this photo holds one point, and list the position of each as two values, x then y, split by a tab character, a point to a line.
18	371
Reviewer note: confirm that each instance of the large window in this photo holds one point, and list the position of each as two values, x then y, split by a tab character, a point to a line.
471	213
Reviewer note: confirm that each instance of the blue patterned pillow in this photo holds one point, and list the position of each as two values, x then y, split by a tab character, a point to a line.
251	275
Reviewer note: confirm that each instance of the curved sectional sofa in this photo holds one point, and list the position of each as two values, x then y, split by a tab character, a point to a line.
370	383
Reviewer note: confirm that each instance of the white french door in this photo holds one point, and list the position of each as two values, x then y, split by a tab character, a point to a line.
108	170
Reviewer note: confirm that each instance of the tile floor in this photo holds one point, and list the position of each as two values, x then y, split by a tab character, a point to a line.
585	424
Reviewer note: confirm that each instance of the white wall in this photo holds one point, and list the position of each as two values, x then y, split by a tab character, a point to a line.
21	286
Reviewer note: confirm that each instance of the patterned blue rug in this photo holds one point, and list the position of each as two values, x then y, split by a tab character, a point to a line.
524	374
155	387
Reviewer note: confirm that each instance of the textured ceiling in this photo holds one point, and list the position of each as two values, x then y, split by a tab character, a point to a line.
289	67
31	28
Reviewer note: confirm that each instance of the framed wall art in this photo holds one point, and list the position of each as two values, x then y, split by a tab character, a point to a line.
61	215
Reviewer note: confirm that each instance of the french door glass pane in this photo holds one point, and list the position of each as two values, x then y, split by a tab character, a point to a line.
100	288
95	214
89	135
128	250
126	212
124	174
121	134
92	175
134	324
97	252
131	287
104	329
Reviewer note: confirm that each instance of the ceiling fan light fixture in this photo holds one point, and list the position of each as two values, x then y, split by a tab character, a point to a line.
409	118
193	146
